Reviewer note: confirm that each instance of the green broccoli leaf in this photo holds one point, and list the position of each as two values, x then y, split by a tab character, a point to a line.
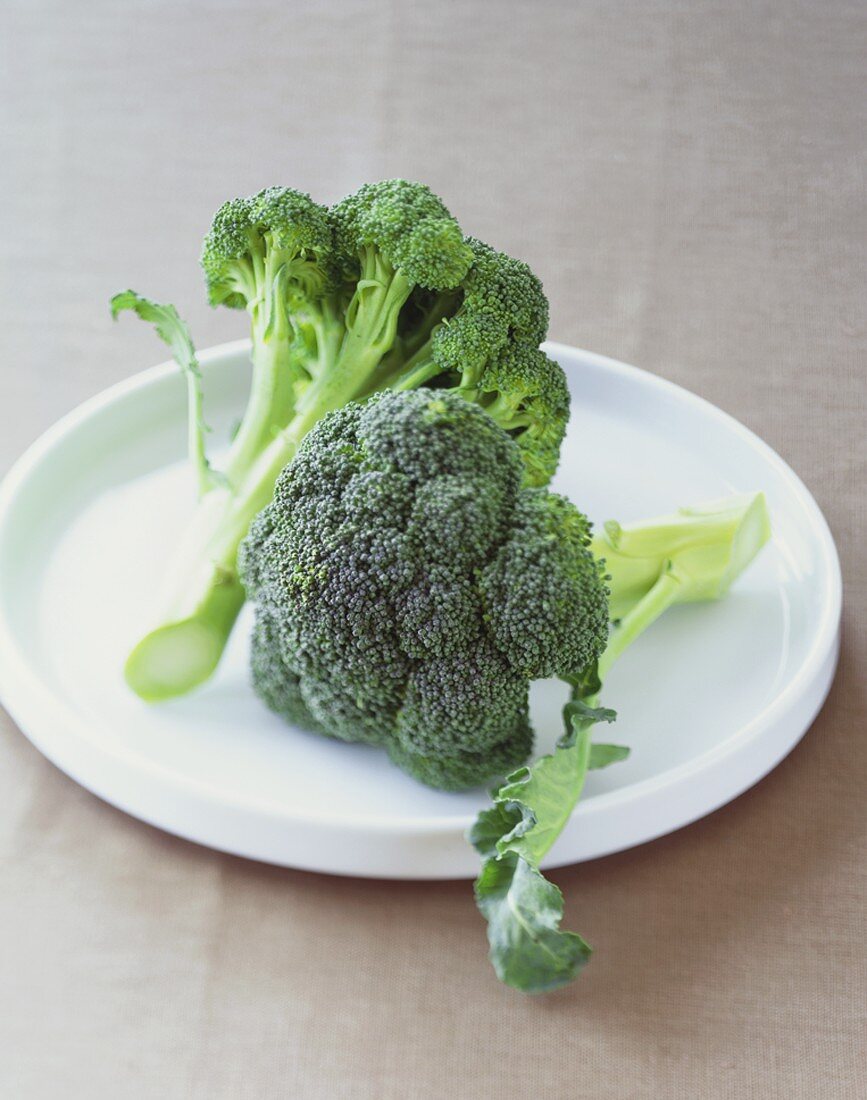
174	332
579	710
523	910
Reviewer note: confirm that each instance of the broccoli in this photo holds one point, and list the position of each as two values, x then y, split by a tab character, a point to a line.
380	292
408	587
650	566
384	506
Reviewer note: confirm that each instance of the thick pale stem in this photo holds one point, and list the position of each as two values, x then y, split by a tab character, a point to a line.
205	594
709	544
179	656
371	324
371	318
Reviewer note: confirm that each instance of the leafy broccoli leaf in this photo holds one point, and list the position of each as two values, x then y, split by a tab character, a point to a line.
523	910
174	332
577	711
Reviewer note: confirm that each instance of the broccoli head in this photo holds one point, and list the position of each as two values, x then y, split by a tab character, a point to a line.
278	234
400	226
408	589
381	291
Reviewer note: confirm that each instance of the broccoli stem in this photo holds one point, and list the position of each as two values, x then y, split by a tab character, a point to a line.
659	598
415	373
179	656
201	600
205	595
707	545
371	325
372	315
507	412
277	364
328	330
196	429
174	332
417	343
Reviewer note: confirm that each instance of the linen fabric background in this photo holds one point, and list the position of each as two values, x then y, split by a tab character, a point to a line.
688	179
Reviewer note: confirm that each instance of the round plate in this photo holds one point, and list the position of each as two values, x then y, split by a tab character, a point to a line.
90	513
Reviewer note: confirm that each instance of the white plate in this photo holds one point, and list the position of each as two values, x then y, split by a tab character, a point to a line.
709	700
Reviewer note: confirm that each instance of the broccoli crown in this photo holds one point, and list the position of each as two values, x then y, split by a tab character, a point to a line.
408	226
278	232
408	589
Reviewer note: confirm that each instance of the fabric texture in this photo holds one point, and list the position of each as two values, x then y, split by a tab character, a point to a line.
688	179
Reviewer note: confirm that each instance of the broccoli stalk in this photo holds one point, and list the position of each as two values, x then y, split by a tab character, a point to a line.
203	594
380	291
692	555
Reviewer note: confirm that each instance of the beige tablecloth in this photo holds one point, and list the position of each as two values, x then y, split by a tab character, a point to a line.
688	178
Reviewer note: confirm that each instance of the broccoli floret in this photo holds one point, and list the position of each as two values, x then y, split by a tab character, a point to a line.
381	291
270	254
272	678
526	393
503	303
252	240
500	302
543	609
414	588
484	346
397	229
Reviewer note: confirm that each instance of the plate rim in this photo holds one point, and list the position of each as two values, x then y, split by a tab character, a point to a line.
20	685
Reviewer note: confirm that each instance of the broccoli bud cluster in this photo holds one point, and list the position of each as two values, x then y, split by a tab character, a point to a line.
408	589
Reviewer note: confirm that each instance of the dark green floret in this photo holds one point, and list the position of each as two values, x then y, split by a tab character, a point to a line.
379	573
273	680
541	591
